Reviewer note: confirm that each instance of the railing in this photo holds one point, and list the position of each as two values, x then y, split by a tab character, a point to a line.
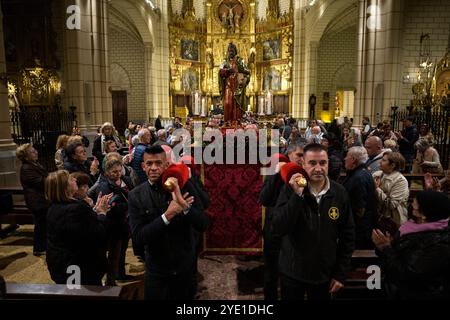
437	121
41	128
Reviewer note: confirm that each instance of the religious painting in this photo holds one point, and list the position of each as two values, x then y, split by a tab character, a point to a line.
272	80
230	14
189	80
189	49
271	49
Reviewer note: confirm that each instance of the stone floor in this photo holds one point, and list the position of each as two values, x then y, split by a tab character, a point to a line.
220	277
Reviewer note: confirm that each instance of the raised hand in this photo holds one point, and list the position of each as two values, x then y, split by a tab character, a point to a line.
102	205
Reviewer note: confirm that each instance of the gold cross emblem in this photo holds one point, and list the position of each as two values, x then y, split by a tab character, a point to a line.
333	213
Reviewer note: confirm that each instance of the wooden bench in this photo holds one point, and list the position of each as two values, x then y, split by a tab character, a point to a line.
16	212
21	291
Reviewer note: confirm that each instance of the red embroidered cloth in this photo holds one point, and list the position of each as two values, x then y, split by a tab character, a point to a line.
235	214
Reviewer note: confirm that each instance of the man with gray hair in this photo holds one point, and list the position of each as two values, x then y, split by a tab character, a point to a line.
138	155
360	185
162	138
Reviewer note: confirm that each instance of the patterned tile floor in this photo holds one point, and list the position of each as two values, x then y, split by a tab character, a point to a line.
220	277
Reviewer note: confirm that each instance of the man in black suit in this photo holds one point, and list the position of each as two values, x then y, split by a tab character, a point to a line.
158	124
164	223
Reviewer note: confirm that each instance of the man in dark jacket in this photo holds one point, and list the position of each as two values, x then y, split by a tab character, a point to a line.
318	232
163	222
359	183
406	140
158	125
268	198
138	154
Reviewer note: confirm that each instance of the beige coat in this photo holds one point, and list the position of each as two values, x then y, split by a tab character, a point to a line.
393	195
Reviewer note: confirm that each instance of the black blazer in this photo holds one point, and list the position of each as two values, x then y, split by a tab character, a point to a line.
76	236
170	249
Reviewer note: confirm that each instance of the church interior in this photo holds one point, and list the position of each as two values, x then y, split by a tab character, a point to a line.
358	74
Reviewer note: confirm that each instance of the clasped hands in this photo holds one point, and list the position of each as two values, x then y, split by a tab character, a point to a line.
180	202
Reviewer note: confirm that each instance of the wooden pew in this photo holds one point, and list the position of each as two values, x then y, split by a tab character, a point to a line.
13	212
356	284
21	291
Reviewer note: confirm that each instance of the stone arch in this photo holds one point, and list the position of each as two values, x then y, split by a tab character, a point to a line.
136	12
320	16
119	78
345	77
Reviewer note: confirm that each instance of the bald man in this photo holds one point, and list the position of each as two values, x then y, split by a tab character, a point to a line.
375	151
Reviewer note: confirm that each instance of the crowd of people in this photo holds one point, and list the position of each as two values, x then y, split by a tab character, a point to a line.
357	197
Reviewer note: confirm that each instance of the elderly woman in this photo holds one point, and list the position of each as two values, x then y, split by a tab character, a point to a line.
77	161
416	262
32	178
76	235
112	181
427	158
392	188
108	132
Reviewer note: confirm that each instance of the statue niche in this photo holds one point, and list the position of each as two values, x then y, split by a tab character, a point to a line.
230	14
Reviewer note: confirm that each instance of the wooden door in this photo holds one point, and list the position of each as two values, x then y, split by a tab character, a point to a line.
120	110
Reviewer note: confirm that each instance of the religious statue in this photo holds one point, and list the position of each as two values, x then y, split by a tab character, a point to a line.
234	77
237	26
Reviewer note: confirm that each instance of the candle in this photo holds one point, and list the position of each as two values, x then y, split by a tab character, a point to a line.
203	104
269	103
261	105
203	110
248	108
196	103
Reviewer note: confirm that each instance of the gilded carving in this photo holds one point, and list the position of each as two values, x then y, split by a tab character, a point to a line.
266	47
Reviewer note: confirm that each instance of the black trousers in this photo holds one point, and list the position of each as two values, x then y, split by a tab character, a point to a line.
292	289
40	230
168	287
271	254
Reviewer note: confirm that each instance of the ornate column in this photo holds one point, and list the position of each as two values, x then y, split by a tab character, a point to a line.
9	166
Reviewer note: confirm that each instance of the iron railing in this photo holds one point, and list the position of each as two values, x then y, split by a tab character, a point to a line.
41	128
437	121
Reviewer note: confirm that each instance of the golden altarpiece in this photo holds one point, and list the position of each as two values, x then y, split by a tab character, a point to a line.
198	47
